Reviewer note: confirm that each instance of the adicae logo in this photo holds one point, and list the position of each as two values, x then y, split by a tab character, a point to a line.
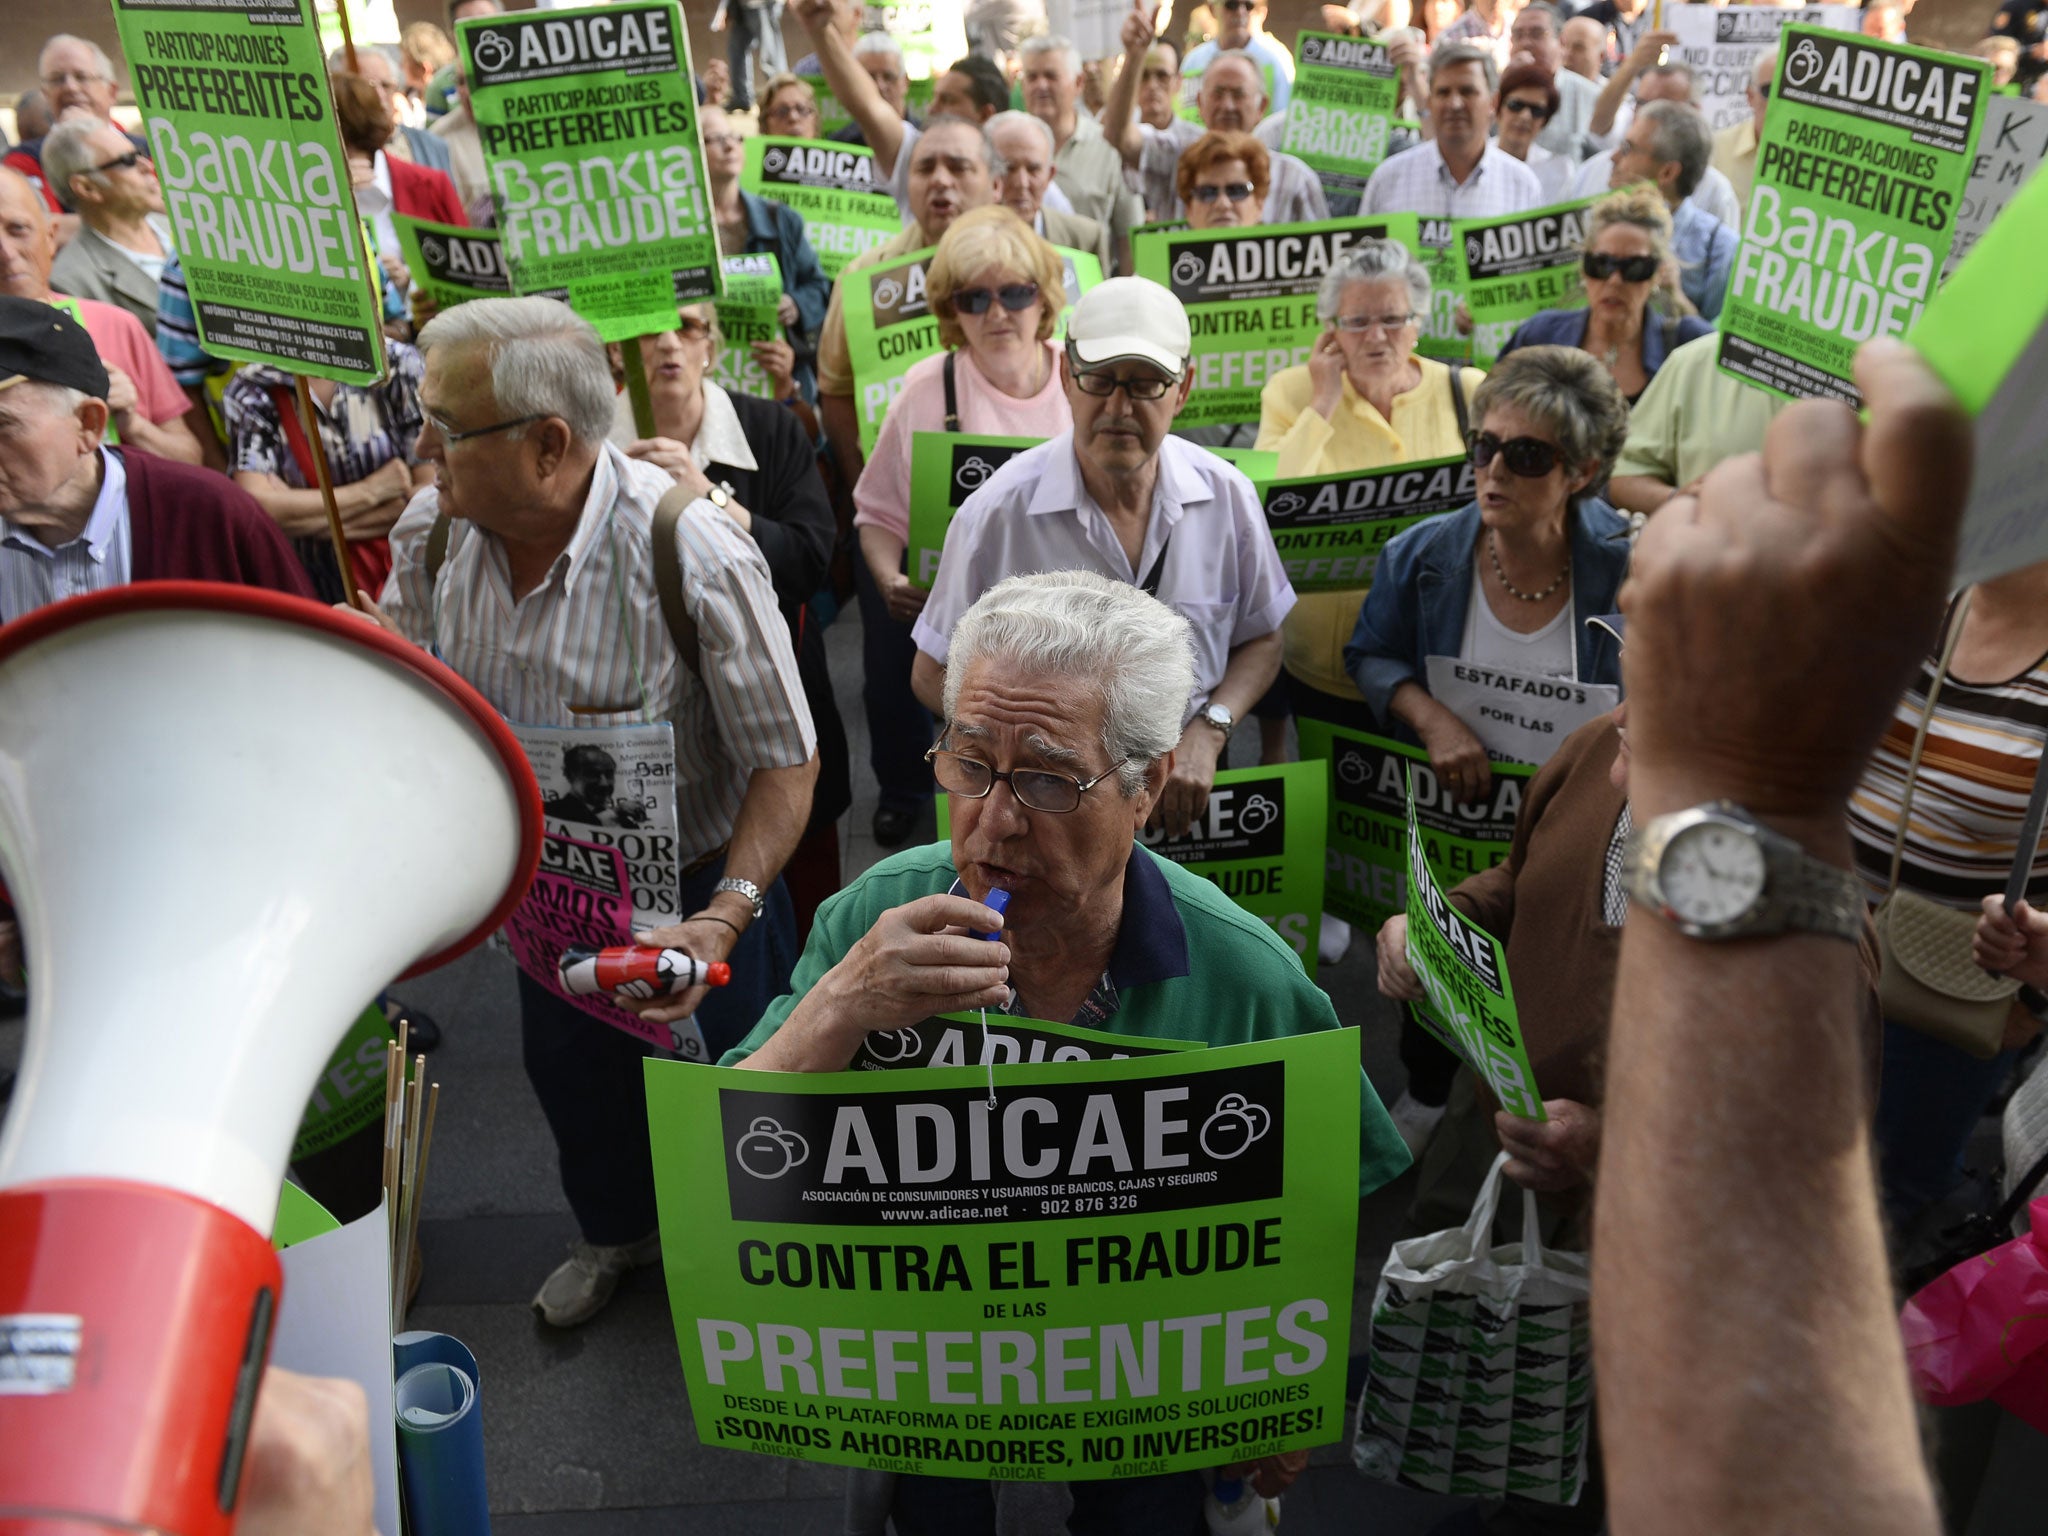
1352	767
432	248
774	160
1805	62
1233	1125
888	292
767	1151
493	51
1286	504
1311	49
1188	268
1475	248
972	472
1258	813
894	1045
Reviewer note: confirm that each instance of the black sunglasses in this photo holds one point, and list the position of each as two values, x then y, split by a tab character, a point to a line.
1015	297
1633	269
1236	191
1530	457
126	162
1535	109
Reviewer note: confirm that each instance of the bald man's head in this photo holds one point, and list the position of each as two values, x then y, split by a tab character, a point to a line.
28	243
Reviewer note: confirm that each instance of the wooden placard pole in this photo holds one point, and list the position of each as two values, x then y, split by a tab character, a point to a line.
348	37
636	388
311	422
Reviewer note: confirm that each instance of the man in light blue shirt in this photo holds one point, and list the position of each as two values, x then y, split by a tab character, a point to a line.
1669	145
1241	27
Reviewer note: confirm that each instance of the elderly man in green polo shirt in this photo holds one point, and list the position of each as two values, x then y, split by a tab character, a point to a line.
1064	699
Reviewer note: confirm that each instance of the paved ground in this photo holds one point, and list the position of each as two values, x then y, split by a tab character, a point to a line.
588	1433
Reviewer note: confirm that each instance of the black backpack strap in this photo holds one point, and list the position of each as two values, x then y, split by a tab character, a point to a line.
1459	404
437	548
1150	585
952	395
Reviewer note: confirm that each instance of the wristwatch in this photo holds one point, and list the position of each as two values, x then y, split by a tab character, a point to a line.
745	888
1716	872
1221	718
720	495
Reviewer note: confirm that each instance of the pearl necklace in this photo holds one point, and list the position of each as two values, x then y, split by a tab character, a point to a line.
1493	554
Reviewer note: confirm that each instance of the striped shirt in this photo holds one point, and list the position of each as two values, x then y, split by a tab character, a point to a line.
562	656
1294	193
33	575
363	427
1417	181
1969	796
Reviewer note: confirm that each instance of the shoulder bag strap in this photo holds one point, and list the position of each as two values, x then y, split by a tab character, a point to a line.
1948	647
1150	585
952	395
437	548
668	576
1459	405
287	404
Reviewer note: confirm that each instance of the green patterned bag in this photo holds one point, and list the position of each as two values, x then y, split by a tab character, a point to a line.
1479	1381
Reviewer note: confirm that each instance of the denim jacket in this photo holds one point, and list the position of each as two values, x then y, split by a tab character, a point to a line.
1422	587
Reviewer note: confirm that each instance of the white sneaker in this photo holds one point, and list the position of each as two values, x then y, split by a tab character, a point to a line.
1334	940
1415	1121
581	1285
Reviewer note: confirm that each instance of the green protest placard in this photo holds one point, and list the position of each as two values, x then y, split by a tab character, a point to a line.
844	201
1865	155
588	121
1720	45
1259	840
234	100
299	1216
890	326
945	469
1986	334
1436	246
1330	529
1339	115
1256	463
1366	862
1125	1267
1464	971
753	289
1251	300
349	1094
1509	268
451	264
976	1040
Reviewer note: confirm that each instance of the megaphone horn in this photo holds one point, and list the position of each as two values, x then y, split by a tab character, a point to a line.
227	818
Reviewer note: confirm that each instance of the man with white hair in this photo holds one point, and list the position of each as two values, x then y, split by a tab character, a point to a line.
1735	145
76	74
1119	495
1023	175
1616	109
531	566
1064	706
1231	99
123	239
1086	166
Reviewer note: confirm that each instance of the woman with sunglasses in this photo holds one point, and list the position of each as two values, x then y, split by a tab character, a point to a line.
1527	101
1626	259
1222	181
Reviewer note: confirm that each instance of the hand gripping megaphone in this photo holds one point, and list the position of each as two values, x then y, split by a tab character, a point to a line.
227	818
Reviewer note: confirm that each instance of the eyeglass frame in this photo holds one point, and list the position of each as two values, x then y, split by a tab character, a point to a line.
1478	438
1082	373
1361	325
65	77
1617	266
987	297
1535	109
1009	777
451	437
126	162
1236	191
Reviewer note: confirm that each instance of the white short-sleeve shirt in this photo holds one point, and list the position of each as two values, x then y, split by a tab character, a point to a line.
1221	571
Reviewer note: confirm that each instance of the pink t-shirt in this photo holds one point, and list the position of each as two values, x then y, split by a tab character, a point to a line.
124	344
882	497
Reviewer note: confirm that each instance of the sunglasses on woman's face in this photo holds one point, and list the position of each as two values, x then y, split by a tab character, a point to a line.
1633	269
1535	109
1530	457
1236	191
1015	297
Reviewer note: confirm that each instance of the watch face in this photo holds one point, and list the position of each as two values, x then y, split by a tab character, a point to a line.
1711	873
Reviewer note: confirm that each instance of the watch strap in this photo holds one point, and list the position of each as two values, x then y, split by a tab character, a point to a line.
1801	893
745	888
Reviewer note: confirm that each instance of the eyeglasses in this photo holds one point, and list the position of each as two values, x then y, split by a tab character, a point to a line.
1146	386
790	112
1036	789
1633	269
450	435
126	162
1763	90
690	328
1236	191
720	140
1360	325
1236	5
1015	297
65	77
1530	457
1534	109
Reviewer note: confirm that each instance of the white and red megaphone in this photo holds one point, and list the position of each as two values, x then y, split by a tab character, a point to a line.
227	818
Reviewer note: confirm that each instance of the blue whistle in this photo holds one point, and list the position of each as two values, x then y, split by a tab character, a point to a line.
999	899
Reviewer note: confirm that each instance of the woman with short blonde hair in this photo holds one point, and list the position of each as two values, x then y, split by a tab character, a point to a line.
989	240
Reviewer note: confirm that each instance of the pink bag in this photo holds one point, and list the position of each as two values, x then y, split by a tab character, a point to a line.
1981	1330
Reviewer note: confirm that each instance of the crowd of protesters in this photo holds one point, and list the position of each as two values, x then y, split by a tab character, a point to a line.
498	504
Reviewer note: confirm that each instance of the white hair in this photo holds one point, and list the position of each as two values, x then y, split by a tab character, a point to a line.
1372	261
877	42
337	59
1138	653
1014	118
68	152
546	360
1051	42
100	61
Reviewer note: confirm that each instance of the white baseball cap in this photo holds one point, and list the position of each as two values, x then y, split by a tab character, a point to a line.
1130	317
